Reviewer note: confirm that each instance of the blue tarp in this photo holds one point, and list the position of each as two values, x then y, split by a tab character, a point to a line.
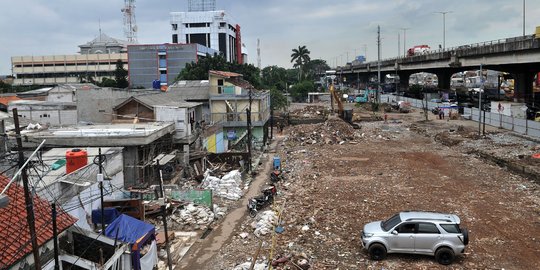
110	215
129	229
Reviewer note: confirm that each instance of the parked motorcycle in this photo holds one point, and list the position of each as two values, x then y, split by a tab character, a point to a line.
257	203
276	176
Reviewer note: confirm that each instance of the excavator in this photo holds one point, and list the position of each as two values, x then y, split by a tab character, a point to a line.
334	97
346	115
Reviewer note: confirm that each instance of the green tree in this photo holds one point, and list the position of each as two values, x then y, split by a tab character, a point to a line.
300	90
300	57
120	75
277	99
274	77
199	70
106	82
315	68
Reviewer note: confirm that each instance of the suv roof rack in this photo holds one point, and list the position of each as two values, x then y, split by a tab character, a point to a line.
437	219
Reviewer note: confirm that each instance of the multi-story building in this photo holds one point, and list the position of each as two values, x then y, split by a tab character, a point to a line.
161	62
212	28
97	61
230	96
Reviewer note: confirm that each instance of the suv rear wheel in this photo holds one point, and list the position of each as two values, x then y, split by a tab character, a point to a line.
377	252
445	256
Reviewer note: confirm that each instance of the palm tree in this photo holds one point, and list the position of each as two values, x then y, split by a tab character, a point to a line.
300	57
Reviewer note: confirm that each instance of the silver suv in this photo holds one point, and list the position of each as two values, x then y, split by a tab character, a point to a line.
424	233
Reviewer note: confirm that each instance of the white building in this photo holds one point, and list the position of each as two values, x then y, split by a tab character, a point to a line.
211	28
46	112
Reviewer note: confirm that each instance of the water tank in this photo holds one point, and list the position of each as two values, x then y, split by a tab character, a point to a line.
75	159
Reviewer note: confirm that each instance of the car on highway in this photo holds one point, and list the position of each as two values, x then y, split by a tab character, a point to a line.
426	233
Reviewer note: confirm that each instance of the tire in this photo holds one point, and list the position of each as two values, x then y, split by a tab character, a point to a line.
445	256
252	213
465	233
377	252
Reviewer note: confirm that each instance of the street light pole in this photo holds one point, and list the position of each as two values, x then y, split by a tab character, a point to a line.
444	26
405	41
523	17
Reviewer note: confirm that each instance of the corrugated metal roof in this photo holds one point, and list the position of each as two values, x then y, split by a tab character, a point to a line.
191	90
225	74
160	99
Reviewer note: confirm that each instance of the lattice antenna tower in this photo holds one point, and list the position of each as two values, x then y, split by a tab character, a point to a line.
130	24
259	53
201	5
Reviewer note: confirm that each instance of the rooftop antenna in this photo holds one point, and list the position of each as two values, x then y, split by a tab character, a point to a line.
99	22
259	53
130	25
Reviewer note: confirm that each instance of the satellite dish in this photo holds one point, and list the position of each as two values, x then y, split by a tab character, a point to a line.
134	28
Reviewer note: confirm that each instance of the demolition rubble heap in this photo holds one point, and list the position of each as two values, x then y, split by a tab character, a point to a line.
333	131
338	179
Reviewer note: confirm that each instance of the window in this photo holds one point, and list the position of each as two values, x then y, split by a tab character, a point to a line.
220	86
427	228
174	26
222	24
198	25
406	228
175	38
391	222
162	61
451	228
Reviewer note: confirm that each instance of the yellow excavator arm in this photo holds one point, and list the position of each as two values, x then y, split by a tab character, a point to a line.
337	99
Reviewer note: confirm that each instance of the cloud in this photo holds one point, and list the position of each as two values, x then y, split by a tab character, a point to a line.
330	29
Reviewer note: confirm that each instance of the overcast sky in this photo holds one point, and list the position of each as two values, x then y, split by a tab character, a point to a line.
330	29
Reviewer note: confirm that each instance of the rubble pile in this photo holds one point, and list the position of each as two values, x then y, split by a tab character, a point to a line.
193	217
333	131
332	190
247	266
310	111
226	187
265	223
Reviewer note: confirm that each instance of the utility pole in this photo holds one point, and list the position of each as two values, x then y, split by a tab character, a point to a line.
480	101
271	120
378	64
100	179
248	118
164	216
30	219
55	237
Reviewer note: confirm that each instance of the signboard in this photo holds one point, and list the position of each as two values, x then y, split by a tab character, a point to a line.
231	135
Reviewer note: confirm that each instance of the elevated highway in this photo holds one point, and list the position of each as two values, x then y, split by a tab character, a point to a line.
519	56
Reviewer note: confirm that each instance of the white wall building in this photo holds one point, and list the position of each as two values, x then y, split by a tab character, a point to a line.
45	112
214	29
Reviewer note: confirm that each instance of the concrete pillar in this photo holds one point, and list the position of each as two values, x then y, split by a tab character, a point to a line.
443	80
404	81
186	154
523	89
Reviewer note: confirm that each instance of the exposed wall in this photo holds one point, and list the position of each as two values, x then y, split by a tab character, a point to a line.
96	105
134	108
54	115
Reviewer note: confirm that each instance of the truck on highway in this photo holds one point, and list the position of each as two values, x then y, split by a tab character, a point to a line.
417	50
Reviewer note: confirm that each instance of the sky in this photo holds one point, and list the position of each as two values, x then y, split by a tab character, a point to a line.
333	30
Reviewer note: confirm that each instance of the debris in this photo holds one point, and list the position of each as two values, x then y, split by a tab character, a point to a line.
227	187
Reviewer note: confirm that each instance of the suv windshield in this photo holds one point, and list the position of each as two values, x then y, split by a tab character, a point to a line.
390	223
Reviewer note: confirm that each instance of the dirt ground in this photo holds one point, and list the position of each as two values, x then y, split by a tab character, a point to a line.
339	178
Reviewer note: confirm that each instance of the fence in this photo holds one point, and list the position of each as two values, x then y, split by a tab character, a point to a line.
522	126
